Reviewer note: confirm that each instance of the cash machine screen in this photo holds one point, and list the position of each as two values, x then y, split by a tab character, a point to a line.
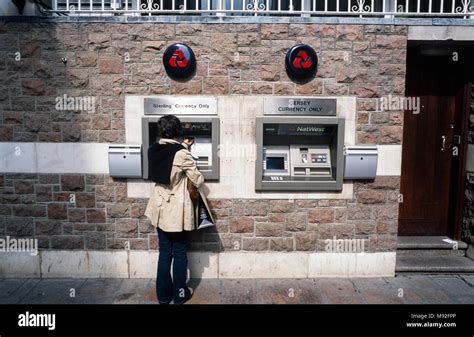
202	147
196	129
275	163
201	132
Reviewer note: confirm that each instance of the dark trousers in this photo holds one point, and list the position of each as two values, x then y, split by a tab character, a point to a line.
173	249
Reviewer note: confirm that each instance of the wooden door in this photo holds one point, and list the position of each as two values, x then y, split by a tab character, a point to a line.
432	160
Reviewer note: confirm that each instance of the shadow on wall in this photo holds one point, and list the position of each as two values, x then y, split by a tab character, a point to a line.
206	243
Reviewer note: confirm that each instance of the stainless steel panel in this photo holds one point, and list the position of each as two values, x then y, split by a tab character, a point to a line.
360	162
125	161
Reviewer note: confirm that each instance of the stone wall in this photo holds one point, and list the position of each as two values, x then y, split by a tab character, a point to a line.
110	61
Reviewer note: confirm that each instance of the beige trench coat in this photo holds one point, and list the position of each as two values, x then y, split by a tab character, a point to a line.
170	207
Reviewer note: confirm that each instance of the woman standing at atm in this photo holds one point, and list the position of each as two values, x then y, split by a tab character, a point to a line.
170	208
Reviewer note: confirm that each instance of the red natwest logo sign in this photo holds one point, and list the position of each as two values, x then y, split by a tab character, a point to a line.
302	60
178	60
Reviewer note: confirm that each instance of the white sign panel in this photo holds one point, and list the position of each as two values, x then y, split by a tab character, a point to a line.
192	105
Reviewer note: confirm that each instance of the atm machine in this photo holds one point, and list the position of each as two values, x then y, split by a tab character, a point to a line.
204	130
299	153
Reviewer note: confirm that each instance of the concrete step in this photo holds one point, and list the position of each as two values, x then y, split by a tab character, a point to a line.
434	264
431	252
428	242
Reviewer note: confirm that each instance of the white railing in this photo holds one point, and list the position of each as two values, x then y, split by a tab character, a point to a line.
358	8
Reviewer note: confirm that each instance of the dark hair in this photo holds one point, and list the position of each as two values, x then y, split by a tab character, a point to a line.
169	126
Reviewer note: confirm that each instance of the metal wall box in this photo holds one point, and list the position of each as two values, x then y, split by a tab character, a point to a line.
360	162
125	161
296	153
206	132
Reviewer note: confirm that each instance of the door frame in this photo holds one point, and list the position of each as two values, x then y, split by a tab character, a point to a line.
458	185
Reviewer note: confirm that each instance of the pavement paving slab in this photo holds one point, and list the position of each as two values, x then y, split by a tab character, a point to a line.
288	291
136	291
377	290
336	286
452	285
205	291
420	289
338	290
468	278
8	287
100	291
16	289
237	291
54	291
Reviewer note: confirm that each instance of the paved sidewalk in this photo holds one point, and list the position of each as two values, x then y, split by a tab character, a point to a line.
409	289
